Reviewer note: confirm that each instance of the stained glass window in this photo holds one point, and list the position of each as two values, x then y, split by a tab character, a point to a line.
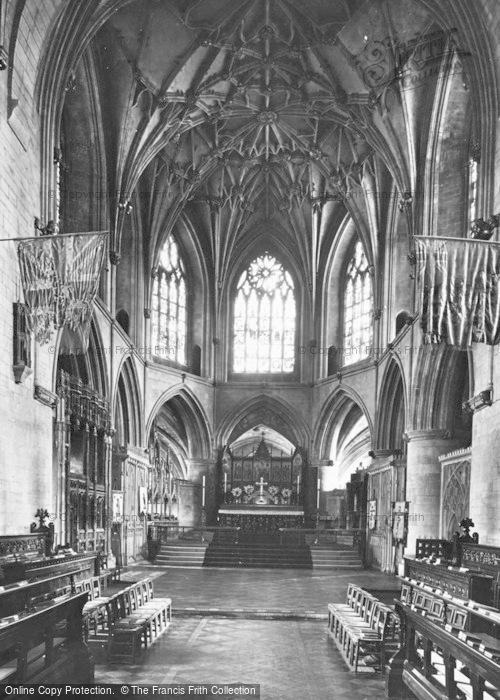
358	308
169	305
264	318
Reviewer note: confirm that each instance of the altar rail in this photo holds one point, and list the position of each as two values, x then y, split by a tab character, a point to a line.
174	532
350	539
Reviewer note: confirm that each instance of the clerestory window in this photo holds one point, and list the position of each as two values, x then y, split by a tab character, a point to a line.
169	314
358	308
264	319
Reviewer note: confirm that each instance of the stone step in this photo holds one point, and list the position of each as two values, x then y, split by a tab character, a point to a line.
186	550
181	564
337	567
194	557
328	560
231	564
185	554
330	553
167	557
258	553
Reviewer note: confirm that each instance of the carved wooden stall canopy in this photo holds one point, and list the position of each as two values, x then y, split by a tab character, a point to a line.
86	419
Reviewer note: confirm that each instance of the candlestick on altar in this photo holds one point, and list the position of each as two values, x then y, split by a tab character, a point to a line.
298	484
203	493
225	487
318	492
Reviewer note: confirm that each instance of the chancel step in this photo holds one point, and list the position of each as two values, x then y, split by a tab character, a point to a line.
181	555
258	554
329	558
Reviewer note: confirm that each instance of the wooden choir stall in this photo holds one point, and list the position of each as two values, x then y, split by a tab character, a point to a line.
41	636
450	624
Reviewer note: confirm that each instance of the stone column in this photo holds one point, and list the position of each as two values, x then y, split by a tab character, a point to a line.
310	494
189	503
108	466
61	534
197	469
423	482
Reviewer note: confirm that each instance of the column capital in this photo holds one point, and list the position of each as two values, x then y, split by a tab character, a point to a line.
200	467
382	454
319	463
428	434
201	463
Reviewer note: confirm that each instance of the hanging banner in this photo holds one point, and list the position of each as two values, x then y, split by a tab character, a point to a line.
372	515
459	290
117	507
143	500
400	520
60	276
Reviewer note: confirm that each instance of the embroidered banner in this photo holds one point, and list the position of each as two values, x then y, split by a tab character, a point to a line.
459	290
60	276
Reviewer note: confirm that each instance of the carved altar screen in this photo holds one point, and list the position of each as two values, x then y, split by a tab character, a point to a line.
281	475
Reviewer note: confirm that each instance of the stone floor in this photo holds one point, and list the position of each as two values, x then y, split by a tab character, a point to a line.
292	659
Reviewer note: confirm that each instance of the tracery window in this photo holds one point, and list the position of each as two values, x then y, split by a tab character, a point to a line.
169	316
264	318
358	308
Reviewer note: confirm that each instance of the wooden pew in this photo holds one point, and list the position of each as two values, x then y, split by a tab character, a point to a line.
127	622
46	644
142	619
360	629
98	589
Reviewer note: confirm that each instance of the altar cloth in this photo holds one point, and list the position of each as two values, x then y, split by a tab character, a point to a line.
278	511
261	519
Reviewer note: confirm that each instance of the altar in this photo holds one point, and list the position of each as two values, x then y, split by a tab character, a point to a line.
261	519
262	491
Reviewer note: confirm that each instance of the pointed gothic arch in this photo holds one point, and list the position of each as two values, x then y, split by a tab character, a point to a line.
441	379
126	406
85	363
264	408
194	437
337	413
391	414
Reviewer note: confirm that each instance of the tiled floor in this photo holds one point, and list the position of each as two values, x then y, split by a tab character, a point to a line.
292	589
291	659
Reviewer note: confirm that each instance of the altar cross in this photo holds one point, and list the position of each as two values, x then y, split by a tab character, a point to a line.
261	483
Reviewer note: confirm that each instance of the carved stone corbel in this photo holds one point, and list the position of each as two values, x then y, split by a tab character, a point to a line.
46	397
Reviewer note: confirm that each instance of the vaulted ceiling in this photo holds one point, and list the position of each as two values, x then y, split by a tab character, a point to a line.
270	118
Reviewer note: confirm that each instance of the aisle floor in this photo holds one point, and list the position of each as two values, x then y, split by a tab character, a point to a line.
290	659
